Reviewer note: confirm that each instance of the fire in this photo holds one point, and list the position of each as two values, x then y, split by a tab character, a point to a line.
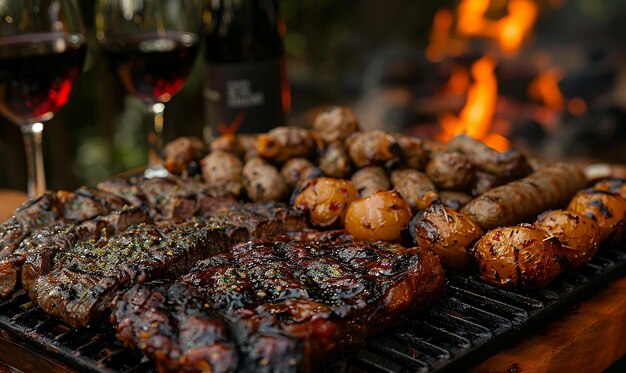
545	88
476	117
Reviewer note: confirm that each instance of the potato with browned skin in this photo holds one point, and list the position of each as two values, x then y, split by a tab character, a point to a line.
579	235
606	208
248	145
334	161
263	182
222	170
454	200
450	170
615	185
414	152
369	180
519	257
282	143
297	170
335	124
373	148
448	233
228	143
415	187
180	153
380	217
325	200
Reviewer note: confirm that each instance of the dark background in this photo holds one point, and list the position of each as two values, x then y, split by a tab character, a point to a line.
339	52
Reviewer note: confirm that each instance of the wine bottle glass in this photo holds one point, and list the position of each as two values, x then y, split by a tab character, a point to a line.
42	51
152	46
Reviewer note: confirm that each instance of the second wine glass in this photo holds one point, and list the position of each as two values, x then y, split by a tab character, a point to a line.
152	45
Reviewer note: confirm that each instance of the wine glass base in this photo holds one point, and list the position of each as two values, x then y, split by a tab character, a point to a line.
153	172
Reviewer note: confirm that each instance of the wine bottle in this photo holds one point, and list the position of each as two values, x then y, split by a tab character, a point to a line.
246	88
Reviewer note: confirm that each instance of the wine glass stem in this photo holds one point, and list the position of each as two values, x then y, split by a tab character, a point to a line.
155	140
32	134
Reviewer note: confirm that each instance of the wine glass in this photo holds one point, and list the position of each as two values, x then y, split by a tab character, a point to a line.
42	50
152	45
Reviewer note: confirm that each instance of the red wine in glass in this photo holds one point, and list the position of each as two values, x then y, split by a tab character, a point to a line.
37	73
153	66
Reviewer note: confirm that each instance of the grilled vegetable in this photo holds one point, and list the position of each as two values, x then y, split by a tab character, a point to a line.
370	180
519	257
373	148
182	152
454	200
335	124
579	235
614	185
450	170
283	143
263	182
334	161
296	170
223	170
414	187
326	200
522	200
380	217
448	233
414	152
606	208
510	164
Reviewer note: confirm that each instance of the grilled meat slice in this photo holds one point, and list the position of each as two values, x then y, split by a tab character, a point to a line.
289	305
84	279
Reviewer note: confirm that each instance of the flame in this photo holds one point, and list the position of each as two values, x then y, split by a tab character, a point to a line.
476	117
515	27
545	88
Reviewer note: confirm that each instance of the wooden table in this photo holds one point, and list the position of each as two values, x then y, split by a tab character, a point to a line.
590	337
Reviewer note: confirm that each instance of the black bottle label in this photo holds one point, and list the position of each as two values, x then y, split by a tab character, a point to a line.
246	98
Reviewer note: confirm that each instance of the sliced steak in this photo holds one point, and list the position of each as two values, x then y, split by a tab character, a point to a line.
289	306
85	278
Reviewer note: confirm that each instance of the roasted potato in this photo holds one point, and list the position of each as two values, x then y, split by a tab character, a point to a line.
325	200
454	200
414	187
379	217
414	152
578	234
228	143
450	170
334	161
282	143
296	170
614	185
182	152
606	208
263	182
519	257
222	170
373	148
448	233
370	180
335	124
248	145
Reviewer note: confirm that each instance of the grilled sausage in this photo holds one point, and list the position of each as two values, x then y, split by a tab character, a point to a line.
334	161
522	200
448	233
578	234
613	184
414	187
335	124
182	152
483	182
373	148
414	152
263	182
454	200
606	208
283	143
380	217
297	170
510	164
519	257
370	180
450	170
325	200
222	170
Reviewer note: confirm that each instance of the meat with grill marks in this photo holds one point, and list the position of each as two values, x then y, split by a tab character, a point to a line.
277	306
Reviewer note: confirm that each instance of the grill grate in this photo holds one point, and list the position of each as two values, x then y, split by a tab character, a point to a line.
472	321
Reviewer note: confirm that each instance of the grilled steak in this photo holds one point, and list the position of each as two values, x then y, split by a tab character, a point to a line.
288	305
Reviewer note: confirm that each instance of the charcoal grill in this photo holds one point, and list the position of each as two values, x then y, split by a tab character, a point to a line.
472	321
